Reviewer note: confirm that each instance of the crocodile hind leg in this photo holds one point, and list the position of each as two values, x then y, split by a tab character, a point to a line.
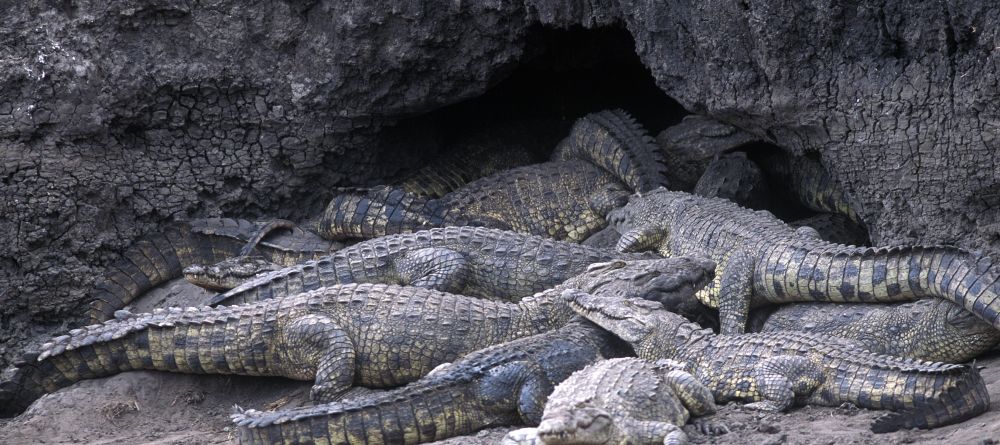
695	396
315	345
733	293
435	268
780	379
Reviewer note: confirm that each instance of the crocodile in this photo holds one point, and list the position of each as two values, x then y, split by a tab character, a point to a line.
928	329
807	181
605	158
372	335
482	154
736	177
505	384
835	228
775	370
158	258
691	145
620	401
763	260
474	261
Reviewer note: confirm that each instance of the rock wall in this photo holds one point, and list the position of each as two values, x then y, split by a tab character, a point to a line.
116	116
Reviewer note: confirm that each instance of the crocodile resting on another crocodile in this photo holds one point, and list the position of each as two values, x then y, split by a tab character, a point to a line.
929	329
372	335
473	261
619	401
774	370
606	157
763	260
505	384
158	258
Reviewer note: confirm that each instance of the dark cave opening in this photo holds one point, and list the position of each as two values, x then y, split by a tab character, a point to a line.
565	75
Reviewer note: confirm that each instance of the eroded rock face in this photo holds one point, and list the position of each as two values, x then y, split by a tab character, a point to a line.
898	98
116	116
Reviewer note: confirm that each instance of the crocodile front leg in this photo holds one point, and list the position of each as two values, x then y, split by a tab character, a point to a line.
315	345
436	268
732	296
780	379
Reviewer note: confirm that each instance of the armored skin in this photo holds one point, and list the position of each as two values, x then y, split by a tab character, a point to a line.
161	257
473	261
774	370
504	384
606	157
372	335
928	329
763	260
620	401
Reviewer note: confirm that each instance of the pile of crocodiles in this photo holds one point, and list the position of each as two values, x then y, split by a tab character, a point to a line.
559	295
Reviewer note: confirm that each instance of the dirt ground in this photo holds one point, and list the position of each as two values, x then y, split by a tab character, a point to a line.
164	408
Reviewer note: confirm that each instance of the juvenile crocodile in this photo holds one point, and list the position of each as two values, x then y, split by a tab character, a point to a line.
606	157
774	370
763	260
620	401
371	335
158	258
928	329
502	385
474	261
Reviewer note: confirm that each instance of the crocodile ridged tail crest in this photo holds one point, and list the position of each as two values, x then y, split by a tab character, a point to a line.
374	212
614	141
966	399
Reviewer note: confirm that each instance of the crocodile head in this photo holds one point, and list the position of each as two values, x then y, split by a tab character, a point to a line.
653	332
670	281
580	424
644	221
227	274
947	327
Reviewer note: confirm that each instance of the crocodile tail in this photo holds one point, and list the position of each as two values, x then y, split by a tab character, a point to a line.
614	141
966	398
410	415
161	257
374	212
165	340
144	265
833	272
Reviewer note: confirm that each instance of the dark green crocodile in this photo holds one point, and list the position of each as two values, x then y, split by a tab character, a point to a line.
735	177
763	260
474	261
506	384
690	146
479	155
159	258
606	157
835	228
928	329
372	335
810	183
775	370
620	401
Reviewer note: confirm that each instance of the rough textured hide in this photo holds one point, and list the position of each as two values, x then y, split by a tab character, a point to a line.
116	116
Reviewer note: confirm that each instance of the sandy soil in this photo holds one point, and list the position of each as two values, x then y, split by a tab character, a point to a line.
164	408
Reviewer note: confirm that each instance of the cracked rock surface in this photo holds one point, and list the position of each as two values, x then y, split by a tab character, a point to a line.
117	116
